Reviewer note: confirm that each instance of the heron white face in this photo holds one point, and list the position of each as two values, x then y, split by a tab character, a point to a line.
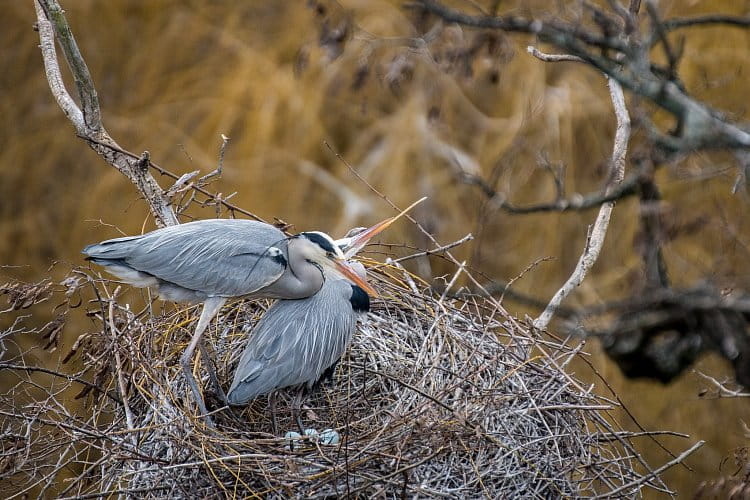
324	242
321	249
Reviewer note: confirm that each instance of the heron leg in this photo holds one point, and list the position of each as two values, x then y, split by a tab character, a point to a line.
210	307
272	407
296	407
211	367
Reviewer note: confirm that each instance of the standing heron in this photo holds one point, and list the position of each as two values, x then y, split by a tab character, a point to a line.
211	261
299	342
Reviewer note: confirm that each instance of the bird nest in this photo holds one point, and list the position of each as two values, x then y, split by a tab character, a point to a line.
436	397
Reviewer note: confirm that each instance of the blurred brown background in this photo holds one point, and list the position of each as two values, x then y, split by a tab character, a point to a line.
280	78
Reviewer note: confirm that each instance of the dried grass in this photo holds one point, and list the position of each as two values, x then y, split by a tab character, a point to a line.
437	397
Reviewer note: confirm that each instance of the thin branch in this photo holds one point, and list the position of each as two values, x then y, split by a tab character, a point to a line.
219	168
631	21
452	282
433	251
521	275
163	171
503	288
724	391
182	184
628	187
596	240
552	57
661	33
706	21
653	474
72	378
635	6
497	201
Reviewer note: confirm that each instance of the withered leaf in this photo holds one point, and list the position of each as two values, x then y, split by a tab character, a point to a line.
52	330
24	295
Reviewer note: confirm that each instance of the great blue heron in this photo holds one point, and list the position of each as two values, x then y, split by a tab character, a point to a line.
211	261
299	342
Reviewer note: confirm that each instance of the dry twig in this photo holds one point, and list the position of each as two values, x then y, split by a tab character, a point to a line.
52	24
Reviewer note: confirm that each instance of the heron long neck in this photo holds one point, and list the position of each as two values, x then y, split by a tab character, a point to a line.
300	279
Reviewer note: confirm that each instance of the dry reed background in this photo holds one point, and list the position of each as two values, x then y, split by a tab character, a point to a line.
173	76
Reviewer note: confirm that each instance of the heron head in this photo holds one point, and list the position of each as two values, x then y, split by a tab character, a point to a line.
319	248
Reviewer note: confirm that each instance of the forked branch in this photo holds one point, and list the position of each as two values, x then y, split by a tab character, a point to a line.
595	240
624	58
86	119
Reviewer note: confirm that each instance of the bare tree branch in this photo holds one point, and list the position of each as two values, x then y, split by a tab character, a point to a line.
426	253
181	180
51	19
219	168
625	60
706	21
595	241
661	33
552	57
723	390
577	202
627	188
79	69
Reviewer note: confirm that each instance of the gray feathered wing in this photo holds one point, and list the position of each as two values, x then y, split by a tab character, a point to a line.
218	257
294	342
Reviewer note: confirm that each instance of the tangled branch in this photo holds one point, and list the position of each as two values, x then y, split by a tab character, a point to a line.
625	58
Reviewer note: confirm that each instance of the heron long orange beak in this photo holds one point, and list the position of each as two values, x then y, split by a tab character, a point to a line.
358	242
352	276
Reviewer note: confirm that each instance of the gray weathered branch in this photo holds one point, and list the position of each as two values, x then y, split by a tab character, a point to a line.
625	60
595	241
87	121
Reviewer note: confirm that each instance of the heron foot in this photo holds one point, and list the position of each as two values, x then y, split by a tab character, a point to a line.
296	407
196	392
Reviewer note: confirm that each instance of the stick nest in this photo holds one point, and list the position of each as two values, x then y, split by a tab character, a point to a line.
436	397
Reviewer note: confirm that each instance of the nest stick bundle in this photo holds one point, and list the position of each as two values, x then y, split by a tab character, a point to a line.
436	397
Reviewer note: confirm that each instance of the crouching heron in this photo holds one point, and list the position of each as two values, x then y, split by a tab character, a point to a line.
211	261
299	343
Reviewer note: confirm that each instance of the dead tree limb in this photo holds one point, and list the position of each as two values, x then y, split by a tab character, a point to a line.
595	240
707	20
52	25
625	59
577	202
